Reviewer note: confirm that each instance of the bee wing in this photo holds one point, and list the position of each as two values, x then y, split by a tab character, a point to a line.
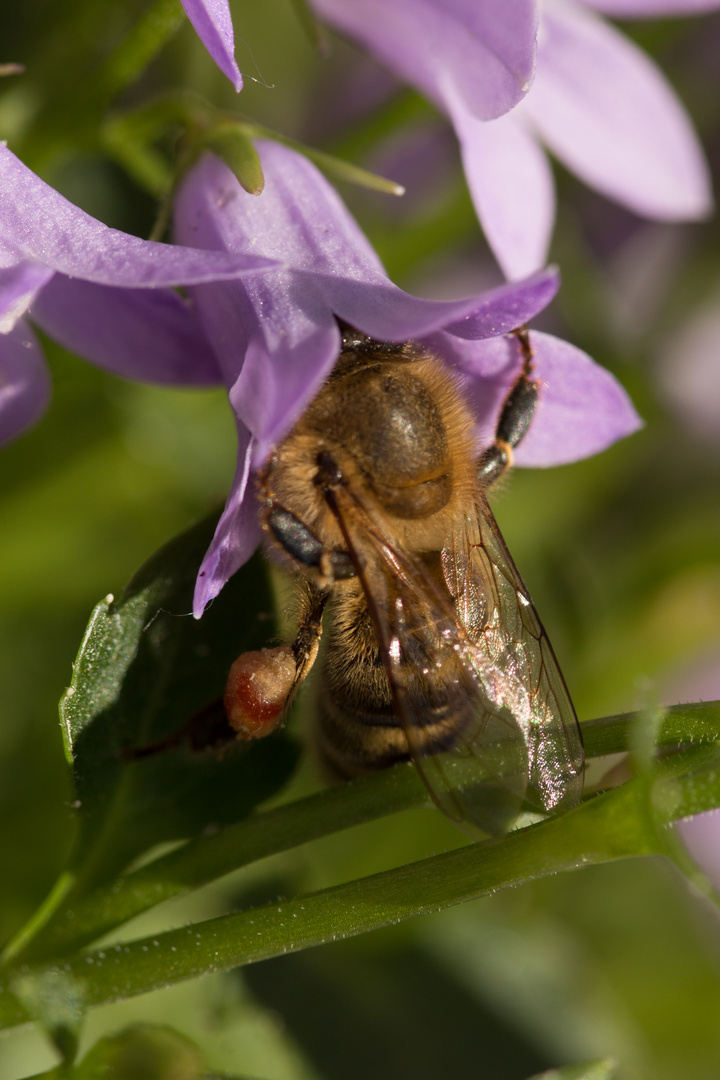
474	681
494	607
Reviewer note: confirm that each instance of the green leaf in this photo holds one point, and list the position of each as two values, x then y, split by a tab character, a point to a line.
233	146
334	166
144	668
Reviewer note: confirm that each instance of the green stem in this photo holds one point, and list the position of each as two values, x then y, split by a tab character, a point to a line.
682	724
342	170
62	888
148	36
73	107
82	919
610	826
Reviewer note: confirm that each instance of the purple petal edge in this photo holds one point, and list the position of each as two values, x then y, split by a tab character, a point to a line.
213	25
236	536
651	9
19	285
582	408
147	334
24	381
40	226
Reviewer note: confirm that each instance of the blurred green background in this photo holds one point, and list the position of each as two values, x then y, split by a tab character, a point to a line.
621	553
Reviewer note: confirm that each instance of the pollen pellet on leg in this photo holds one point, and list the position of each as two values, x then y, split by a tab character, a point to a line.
257	690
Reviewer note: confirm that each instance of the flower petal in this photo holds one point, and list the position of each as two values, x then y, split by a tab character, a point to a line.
20	283
701	836
150	335
24	381
282	373
299	220
582	409
282	324
273	365
237	535
39	225
281	330
213	25
638	9
608	113
511	185
389	314
486	51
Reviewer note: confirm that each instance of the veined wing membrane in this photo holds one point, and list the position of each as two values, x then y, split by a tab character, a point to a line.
516	641
473	681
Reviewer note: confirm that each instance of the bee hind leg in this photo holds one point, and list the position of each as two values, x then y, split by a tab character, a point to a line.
261	685
515	417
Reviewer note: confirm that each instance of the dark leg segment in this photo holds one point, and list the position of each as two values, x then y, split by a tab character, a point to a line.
304	546
307	640
515	417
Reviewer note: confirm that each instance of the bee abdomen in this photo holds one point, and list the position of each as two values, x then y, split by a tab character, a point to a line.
351	744
357	729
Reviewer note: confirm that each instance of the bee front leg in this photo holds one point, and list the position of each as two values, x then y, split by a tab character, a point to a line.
261	685
515	417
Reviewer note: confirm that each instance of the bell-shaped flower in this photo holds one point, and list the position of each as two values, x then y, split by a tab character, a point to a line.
277	335
597	102
102	293
487	53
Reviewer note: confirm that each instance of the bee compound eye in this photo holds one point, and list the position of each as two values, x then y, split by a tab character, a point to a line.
295	537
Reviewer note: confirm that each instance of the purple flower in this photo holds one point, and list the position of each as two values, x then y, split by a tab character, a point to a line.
24	381
701	836
100	292
486	54
276	335
480	53
213	25
597	102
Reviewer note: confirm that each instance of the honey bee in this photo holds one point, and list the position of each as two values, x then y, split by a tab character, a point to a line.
434	651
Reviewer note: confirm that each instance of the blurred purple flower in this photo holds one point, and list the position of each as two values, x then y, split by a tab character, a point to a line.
688	368
213	25
701	836
277	337
639	9
486	52
597	102
479	53
24	381
100	292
